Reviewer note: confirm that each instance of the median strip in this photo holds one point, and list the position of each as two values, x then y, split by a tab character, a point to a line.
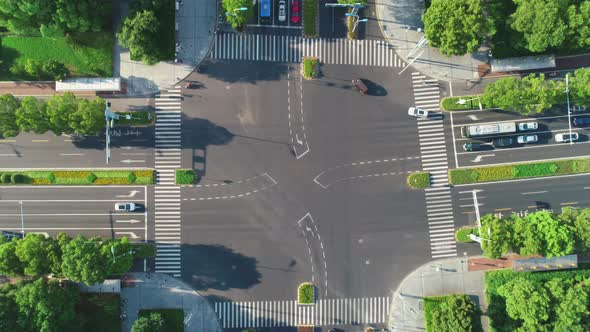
519	171
78	177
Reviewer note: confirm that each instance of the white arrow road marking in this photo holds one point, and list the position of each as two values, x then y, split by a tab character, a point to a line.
133	236
128	161
481	156
127	147
131	221
131	194
472	117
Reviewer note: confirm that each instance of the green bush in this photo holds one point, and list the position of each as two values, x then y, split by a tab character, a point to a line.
534	170
5	178
17	178
91	177
462	234
310	13
306	293
472	103
173	318
451	313
311	68
40	70
419	180
185	176
144	250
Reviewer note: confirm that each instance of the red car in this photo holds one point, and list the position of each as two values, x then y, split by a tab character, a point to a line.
295	12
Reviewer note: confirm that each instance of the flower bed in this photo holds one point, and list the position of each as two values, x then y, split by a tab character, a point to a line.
78	177
185	176
419	180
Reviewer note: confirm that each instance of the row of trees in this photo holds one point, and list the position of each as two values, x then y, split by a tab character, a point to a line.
535	94
558	304
61	114
53	18
537	233
458	27
456	313
80	259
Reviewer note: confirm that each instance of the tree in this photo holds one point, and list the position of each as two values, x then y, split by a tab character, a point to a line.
83	15
541	22
580	86
572	310
237	18
32	252
152	323
458	313
122	259
457	27
32	116
9	261
558	239
581	229
83	261
25	17
88	118
527	301
59	109
505	93
46	306
496	236
8	309
8	106
578	21
139	33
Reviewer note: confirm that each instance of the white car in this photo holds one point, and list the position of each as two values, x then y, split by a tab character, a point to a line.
526	139
282	11
417	112
125	206
528	126
564	138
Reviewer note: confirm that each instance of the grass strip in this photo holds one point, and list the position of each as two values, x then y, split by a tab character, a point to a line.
419	180
519	171
78	177
305	293
173	318
311	68
185	176
138	118
471	103
310	14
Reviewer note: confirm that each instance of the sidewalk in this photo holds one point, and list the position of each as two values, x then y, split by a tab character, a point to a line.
160	291
400	20
196	22
436	278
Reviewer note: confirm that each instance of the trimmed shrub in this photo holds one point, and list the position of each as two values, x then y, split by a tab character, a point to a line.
17	178
91	177
5	178
185	176
419	180
532	170
306	293
462	234
310	68
131	177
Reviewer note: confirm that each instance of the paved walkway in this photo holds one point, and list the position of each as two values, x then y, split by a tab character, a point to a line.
440	277
195	22
400	21
160	291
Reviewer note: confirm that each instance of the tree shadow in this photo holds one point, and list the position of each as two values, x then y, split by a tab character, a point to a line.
243	71
218	267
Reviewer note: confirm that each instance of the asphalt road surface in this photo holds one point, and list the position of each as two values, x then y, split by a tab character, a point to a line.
301	181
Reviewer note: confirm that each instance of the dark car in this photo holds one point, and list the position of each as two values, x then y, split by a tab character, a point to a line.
503	142
581	121
10	235
472	146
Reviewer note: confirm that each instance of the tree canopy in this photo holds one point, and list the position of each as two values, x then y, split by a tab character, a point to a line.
154	322
139	33
458	313
237	18
456	27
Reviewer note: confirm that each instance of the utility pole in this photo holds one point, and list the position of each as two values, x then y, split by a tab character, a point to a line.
22	218
476	206
569	113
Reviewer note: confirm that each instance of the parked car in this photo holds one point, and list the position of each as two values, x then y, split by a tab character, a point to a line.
503	142
417	112
526	139
282	11
11	235
581	121
525	126
472	146
125	206
295	12
564	138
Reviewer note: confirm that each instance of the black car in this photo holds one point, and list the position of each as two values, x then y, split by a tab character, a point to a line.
10	235
503	142
581	121
472	146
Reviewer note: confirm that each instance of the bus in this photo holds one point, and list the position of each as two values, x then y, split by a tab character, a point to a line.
488	129
265	9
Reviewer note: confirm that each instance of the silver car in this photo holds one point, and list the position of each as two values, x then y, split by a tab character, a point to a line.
125	206
526	139
282	11
417	112
525	126
564	138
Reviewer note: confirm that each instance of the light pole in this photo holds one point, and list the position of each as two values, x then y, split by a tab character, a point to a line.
22	218
233	13
115	257
569	113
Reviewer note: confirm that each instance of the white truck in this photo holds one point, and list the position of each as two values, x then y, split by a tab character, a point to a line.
488	129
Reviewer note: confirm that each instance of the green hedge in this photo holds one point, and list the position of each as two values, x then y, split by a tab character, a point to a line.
472	103
185	176
306	293
310	13
311	68
144	250
80	177
138	118
519	171
462	234
419	180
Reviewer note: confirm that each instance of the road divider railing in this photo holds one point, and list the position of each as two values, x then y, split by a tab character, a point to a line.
517	171
78	177
419	180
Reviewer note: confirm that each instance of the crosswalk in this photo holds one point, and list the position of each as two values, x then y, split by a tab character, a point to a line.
230	46
431	135
369	310
166	193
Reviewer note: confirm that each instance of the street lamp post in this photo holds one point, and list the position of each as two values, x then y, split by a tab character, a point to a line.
22	218
569	113
130	252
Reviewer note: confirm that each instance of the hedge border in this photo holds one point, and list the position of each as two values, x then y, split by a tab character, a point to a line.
82	177
310	67
524	170
419	180
310	13
449	104
302	293
185	176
